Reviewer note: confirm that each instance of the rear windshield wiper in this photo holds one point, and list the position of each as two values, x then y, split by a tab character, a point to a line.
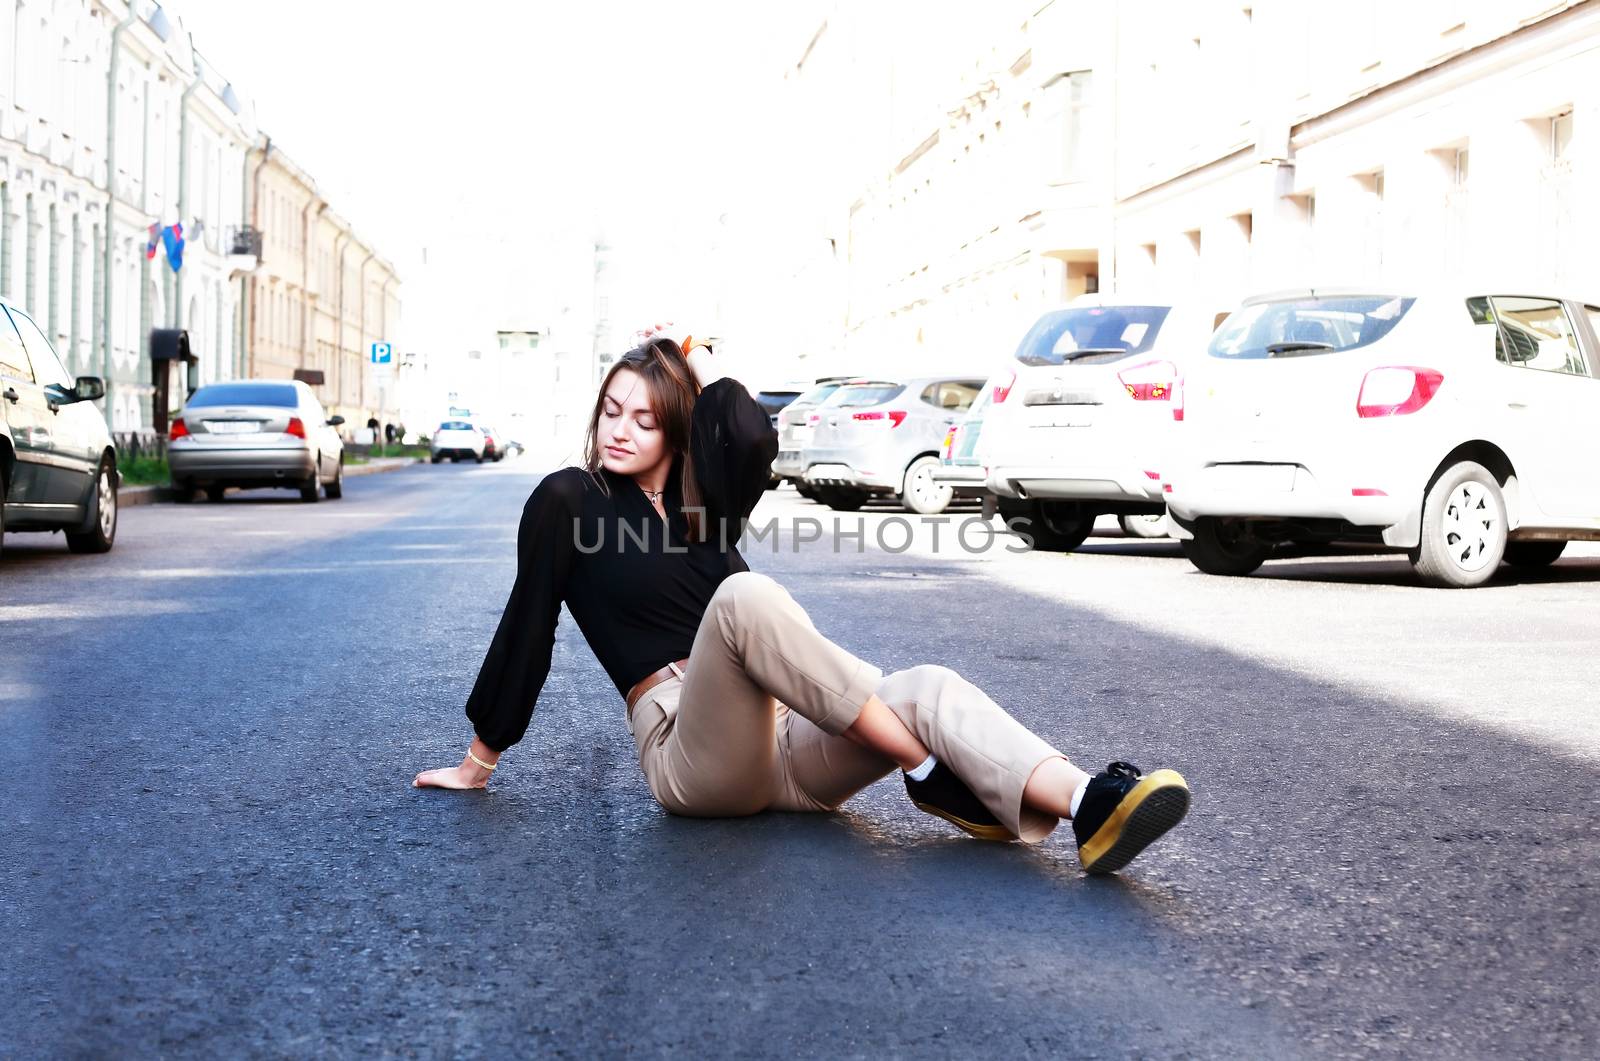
1070	356
1274	349
1087	351
1295	346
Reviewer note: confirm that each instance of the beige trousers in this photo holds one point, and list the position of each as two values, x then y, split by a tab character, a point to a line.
754	723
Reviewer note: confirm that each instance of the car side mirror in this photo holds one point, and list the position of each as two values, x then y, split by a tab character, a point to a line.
335	421
89	388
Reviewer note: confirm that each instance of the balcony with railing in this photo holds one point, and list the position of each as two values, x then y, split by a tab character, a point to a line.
244	249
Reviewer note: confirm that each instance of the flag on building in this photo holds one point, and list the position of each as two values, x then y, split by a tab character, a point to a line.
155	238
172	237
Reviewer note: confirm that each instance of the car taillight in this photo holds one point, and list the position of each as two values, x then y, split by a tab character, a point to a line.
895	416
1396	390
949	442
1177	398
178	429
813	418
1003	389
1149	382
295	428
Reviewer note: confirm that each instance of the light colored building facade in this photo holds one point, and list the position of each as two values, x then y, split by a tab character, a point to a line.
320	297
1023	153
72	245
91	86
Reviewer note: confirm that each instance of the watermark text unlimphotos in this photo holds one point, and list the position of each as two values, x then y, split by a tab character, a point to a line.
891	534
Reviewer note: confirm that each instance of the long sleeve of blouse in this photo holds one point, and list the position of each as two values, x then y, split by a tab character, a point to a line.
733	445
518	661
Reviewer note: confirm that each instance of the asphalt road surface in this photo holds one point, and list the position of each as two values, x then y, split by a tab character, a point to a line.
211	845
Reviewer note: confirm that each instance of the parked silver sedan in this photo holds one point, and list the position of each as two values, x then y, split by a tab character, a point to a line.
795	423
254	433
883	437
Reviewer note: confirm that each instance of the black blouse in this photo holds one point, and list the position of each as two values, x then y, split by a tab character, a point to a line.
634	582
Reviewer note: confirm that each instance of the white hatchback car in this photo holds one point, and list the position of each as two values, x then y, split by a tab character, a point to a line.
1076	430
1458	427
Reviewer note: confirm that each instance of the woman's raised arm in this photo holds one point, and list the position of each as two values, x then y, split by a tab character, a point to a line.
733	444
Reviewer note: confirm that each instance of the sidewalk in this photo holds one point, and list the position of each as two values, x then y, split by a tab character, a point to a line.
150	495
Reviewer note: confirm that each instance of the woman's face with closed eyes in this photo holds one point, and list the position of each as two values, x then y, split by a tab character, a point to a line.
630	438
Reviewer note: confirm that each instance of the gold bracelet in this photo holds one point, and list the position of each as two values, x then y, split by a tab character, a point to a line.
480	762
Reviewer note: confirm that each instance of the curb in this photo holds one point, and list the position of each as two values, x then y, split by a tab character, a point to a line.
382	464
142	495
128	496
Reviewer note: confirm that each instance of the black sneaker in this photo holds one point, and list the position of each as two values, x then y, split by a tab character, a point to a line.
945	795
1121	813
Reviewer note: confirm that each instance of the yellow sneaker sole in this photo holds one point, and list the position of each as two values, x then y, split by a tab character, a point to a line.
1157	803
982	832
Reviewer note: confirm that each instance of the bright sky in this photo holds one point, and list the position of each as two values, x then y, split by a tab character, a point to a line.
489	131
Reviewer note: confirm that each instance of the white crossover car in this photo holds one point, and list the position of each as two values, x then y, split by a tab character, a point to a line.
1458	427
1077	428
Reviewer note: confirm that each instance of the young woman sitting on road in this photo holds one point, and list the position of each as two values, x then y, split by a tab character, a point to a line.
736	702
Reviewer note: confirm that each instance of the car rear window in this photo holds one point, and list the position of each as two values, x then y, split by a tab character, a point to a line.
1091	334
455	425
772	401
1308	326
818	394
864	394
280	394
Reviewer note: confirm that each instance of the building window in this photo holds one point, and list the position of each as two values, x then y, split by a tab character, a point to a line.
1459	169
1068	97
1560	136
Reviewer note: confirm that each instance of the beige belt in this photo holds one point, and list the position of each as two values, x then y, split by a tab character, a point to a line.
651	680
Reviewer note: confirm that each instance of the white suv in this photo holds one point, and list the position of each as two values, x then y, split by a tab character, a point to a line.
1078	427
1458	427
458	440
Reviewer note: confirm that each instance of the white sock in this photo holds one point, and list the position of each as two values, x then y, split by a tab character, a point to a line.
921	772
1077	797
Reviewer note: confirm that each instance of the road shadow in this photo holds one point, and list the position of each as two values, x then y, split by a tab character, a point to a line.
218	849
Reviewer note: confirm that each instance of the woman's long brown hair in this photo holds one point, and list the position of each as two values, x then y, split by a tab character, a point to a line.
669	382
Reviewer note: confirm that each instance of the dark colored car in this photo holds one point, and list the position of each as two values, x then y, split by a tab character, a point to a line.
58	470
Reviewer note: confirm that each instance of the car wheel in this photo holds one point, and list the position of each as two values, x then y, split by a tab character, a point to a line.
335	489
1533	554
1224	548
102	515
479	457
919	493
5	488
182	491
215	494
1054	526
1061	526
843	498
436	458
311	489
1463	528
1145	526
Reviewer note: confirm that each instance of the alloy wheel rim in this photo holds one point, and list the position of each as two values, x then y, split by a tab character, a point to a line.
1470	526
108	504
923	487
